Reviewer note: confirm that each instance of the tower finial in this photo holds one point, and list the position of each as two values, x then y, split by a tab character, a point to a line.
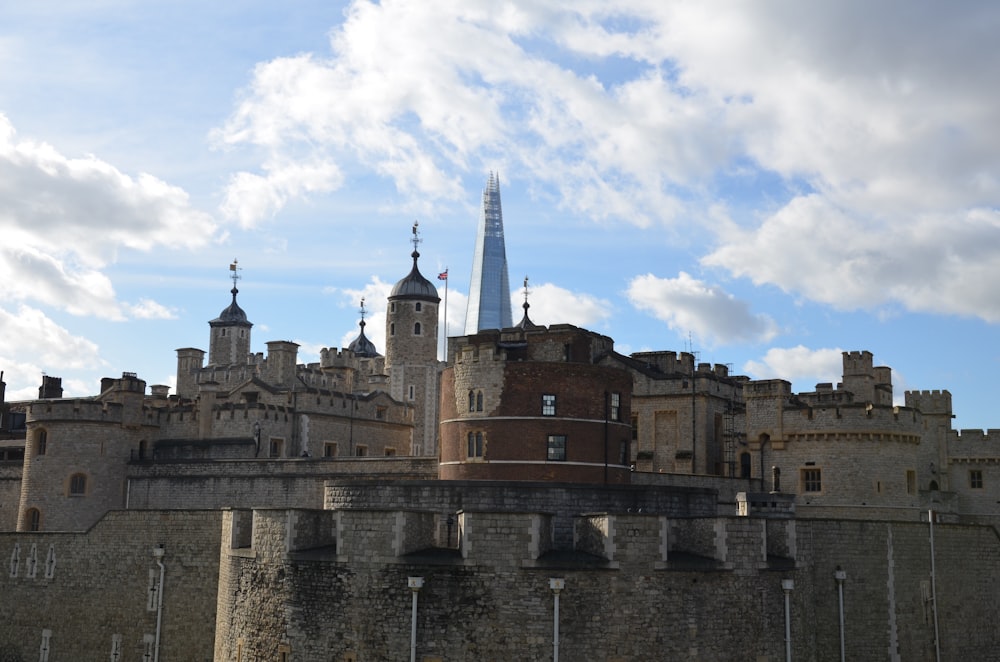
416	236
362	311
234	268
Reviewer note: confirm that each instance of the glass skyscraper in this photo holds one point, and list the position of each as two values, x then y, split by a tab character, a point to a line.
489	291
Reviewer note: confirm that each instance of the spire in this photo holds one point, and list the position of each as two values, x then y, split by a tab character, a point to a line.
526	323
489	289
233	314
362	346
415	285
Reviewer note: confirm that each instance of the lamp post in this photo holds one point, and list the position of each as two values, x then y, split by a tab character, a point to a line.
415	584
840	575
556	584
787	585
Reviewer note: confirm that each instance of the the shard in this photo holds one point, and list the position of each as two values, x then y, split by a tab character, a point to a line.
489	290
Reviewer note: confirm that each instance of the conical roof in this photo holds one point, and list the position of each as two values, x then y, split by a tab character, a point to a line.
233	315
362	346
415	286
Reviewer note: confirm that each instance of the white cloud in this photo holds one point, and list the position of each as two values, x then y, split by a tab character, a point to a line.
688	305
151	310
876	126
65	219
33	344
798	364
551	304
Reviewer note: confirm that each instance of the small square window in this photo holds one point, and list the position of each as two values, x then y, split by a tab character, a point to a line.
556	448
812	480
390	452
548	405
976	479
330	449
360	450
276	447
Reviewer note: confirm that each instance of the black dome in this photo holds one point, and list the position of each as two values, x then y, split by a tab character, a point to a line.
233	315
415	286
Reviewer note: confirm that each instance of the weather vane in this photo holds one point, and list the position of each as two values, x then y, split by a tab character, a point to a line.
416	237
362	311
235	269
526	289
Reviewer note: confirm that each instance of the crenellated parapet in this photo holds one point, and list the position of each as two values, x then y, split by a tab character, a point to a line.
76	410
517	540
670	363
930	403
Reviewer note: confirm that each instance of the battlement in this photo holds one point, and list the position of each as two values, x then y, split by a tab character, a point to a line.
860	416
767	388
45	411
974	442
519	539
668	362
936	402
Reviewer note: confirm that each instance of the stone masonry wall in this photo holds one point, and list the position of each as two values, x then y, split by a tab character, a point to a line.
627	601
91	589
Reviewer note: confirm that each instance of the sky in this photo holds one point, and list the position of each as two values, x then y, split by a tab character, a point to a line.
766	184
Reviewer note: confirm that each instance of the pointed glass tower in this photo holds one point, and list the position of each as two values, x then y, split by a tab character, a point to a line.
489	290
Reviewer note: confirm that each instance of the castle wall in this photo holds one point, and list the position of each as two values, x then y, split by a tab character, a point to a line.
10	494
641	587
291	483
562	501
90	589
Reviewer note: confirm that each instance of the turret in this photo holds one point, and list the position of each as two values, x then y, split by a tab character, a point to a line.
230	331
411	351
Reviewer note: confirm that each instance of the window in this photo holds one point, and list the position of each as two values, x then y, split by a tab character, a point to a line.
475	444
412	392
417	306
744	465
812	480
976	479
284	653
390	452
34	518
360	450
911	481
142	450
472	401
392	307
479	401
616	399
41	442
276	447
548	405
330	449
77	485
556	448
392	329
416	328
380	413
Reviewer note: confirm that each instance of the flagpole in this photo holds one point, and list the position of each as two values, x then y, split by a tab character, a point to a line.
444	340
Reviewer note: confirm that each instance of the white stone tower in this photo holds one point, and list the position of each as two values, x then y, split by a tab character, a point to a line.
411	328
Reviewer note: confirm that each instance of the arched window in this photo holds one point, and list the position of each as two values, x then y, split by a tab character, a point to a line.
41	442
475	444
77	485
392	329
472	401
416	306
142	449
416	329
479	401
34	518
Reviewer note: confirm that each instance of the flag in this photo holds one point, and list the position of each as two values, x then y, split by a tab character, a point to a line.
443	275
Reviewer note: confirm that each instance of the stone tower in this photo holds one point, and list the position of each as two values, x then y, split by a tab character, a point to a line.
230	332
489	289
411	328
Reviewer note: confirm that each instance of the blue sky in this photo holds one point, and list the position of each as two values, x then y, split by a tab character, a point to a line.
768	184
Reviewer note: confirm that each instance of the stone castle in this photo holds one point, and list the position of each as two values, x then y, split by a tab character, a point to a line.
534	495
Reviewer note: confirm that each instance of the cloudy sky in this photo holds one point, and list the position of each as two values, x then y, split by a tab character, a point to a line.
767	184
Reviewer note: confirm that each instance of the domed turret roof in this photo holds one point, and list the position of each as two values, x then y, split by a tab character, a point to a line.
415	286
233	315
362	346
